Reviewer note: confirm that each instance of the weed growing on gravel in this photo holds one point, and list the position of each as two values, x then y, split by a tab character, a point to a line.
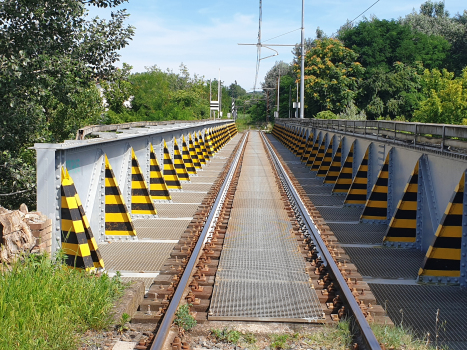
399	337
44	304
337	337
233	336
279	341
183	319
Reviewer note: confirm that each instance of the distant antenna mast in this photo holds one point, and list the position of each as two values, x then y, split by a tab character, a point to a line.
258	54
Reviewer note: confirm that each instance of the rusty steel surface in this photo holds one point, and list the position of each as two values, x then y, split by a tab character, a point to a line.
262	274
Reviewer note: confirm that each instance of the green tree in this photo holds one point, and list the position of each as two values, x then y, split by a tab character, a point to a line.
332	76
50	55
392	94
381	43
433	19
118	90
447	98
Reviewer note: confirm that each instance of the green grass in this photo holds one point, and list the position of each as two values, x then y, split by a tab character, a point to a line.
337	336
243	122
46	305
279	341
399	337
233	336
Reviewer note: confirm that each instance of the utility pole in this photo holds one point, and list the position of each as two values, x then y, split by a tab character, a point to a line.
210	98
267	106
302	70
219	97
298	104
290	98
278	91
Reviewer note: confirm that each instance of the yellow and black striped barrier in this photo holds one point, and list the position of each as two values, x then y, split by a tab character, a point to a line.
179	164
326	162
358	188
170	174
199	150
443	258
203	147
314	152
344	179
193	153
319	156
335	167
376	207
186	156
141	201
308	148
157	186
301	146
403	225
117	219
78	242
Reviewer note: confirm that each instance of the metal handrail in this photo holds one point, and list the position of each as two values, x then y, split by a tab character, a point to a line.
435	135
83	132
368	335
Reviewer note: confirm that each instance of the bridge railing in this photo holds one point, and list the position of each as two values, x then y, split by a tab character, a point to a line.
83	132
441	136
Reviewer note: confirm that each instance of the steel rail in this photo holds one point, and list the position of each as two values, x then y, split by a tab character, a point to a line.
167	321
368	335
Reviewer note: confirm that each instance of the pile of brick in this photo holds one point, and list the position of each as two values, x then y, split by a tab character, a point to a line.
23	232
41	229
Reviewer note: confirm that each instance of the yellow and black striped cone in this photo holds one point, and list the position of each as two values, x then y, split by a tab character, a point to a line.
78	242
308	148
202	144
344	180
326	162
141	201
117	219
170	174
358	188
189	165
443	258
376	207
403	225
157	186
314	152
298	144
217	139
208	144
319	156
193	153
302	145
335	167
199	151
179	165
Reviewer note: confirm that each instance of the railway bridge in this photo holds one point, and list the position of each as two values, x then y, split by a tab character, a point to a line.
316	221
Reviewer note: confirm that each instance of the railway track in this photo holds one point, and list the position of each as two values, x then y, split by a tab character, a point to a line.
190	274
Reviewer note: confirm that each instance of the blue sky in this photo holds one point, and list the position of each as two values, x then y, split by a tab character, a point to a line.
204	34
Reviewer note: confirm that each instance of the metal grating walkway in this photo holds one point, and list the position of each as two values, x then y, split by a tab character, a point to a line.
261	273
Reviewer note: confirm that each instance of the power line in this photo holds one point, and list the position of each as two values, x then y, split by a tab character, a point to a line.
283	34
359	15
365	11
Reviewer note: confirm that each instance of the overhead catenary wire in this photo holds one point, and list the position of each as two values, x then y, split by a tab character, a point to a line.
348	23
365	11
